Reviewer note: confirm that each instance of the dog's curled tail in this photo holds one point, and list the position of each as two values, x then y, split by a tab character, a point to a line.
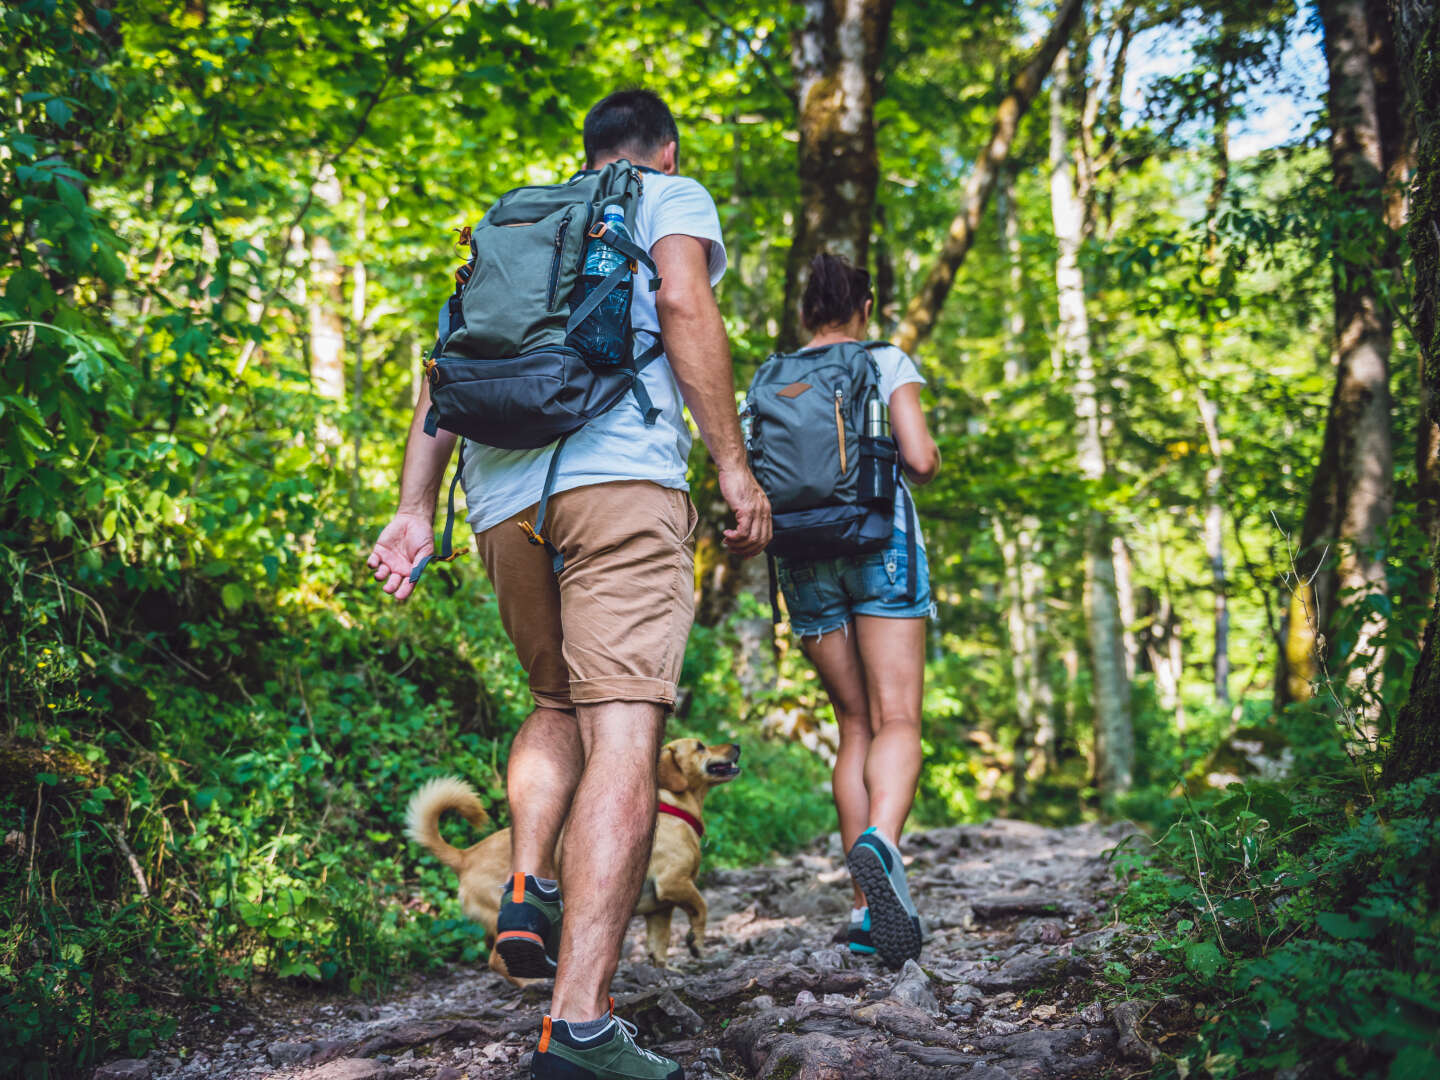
422	816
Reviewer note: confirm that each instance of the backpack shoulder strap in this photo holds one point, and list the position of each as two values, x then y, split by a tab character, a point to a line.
447	551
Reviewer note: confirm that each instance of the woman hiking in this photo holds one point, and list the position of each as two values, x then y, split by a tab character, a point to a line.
862	625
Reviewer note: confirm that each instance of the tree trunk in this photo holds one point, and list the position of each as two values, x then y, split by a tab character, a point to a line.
359	303
1340	560
836	57
325	299
1024	575
925	306
1020	658
1114	734
1209	415
1415	750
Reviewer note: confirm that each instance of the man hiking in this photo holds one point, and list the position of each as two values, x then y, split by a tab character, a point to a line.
603	639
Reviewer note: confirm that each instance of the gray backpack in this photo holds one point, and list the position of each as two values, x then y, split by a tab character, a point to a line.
831	483
510	368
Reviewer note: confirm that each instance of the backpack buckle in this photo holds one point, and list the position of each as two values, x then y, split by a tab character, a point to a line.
464	237
429	367
530	533
597	232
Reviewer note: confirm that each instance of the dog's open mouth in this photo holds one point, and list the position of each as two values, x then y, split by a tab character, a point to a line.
723	769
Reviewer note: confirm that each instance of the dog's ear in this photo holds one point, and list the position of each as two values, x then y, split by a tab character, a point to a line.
671	776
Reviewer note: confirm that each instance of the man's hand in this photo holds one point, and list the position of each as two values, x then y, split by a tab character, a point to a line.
744	495
403	543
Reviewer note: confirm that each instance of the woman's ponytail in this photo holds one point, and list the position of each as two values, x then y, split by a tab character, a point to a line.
835	292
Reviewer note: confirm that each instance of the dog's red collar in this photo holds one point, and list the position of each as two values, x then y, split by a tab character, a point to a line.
684	815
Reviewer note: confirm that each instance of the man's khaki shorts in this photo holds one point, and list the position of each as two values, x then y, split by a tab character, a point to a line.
613	625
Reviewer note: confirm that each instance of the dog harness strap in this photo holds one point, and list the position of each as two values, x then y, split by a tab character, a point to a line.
684	815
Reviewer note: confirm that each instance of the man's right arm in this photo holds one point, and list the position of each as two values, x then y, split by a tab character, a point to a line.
699	355
410	536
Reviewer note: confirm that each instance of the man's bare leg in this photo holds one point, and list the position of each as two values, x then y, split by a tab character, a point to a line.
545	762
607	847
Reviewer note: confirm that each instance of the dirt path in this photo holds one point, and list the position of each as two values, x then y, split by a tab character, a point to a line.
1019	923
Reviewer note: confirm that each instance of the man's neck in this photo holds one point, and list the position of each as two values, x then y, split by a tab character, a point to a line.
600	163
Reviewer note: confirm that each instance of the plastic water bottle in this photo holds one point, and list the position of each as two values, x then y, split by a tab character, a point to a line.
601	337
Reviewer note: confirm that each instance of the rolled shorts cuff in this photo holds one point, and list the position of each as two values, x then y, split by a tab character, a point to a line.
558	698
924	608
622	688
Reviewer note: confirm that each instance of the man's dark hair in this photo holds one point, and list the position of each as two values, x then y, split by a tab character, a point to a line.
836	291
629	120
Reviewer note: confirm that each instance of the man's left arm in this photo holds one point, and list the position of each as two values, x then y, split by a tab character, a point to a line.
699	354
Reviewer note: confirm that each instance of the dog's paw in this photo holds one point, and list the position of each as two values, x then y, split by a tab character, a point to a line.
694	945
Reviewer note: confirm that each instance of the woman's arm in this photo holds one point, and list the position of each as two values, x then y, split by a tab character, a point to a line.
918	452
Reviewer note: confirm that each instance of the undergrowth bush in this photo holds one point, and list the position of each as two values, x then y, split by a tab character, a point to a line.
1301	916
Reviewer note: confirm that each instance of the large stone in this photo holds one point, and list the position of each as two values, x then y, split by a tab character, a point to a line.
1005	906
1128	1016
288	1053
1022	972
123	1069
345	1069
913	988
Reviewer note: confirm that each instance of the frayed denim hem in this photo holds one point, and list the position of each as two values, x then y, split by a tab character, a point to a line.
807	632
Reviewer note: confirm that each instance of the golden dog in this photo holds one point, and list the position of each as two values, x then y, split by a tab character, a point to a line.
688	769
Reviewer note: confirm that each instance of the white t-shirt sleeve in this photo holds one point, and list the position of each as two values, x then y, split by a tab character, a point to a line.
683	206
896	369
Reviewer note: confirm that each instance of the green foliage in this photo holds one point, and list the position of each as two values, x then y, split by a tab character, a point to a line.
1303	917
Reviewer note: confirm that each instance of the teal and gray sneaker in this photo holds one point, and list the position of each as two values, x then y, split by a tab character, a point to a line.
858	934
875	865
527	930
609	1055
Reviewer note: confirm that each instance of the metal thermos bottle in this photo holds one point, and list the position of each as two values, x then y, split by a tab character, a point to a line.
877	417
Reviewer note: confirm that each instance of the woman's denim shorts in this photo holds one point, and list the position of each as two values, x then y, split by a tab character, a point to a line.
825	594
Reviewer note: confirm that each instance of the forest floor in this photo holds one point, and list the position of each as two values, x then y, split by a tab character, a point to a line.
1010	985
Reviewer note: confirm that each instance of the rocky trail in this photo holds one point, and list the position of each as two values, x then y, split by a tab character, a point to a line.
1008	987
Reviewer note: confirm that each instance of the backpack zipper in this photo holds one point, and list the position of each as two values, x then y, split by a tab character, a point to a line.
555	261
840	428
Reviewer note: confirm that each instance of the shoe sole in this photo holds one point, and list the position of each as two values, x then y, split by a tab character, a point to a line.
524	955
892	928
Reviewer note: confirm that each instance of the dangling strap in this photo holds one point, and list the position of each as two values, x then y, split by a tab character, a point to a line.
536	532
446	554
774	590
639	364
912	545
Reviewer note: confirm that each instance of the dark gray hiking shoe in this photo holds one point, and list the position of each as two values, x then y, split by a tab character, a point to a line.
610	1055
527	930
894	924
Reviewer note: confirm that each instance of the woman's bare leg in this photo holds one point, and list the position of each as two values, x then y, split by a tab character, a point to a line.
892	659
838	662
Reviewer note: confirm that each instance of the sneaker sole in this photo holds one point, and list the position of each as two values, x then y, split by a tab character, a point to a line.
524	955
892	928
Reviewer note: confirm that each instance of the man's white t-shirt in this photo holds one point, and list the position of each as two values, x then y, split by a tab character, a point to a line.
897	369
618	445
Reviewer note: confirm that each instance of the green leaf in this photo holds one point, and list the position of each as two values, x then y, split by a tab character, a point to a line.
58	112
233	597
1204	959
1342	926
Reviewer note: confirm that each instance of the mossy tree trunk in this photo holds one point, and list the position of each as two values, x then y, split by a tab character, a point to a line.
836	57
1340	559
1416	748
